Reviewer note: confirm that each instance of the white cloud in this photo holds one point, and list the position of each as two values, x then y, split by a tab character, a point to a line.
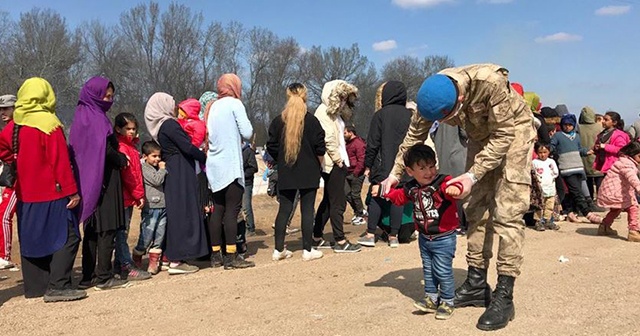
613	10
495	2
419	3
385	45
558	37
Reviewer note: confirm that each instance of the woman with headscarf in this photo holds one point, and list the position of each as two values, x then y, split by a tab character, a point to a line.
47	198
185	236
98	162
228	125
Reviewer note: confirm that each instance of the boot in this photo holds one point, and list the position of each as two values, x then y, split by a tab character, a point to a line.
216	259
606	230
137	257
233	261
154	261
634	236
501	309
474	291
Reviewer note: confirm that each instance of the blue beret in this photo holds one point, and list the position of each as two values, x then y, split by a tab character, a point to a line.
437	97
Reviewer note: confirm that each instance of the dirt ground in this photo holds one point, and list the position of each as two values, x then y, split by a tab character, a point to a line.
368	293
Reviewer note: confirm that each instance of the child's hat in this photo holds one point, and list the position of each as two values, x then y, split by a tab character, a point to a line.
437	97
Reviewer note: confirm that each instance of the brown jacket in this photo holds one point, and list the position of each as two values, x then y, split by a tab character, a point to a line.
497	121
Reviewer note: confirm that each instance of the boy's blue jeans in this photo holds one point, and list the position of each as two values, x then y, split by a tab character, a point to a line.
437	265
152	229
123	255
247	207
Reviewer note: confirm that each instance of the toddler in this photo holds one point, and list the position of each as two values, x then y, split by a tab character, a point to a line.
546	172
436	218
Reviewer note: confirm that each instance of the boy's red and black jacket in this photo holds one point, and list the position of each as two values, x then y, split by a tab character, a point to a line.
434	212
132	183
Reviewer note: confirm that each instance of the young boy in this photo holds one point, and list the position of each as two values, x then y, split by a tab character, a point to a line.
154	214
546	171
436	218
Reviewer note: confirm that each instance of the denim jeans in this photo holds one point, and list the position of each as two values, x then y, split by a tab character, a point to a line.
123	255
437	265
247	208
152	229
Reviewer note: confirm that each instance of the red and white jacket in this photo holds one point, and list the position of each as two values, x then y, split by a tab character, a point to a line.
132	183
434	212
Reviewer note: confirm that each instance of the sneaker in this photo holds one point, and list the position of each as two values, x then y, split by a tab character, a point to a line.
164	265
135	274
551	225
604	230
347	247
183	268
216	259
236	261
86	284
58	295
426	306
285	254
593	218
292	230
322	244
311	255
6	264
357	221
364	213
367	241
444	311
540	225
112	283
394	242
416	234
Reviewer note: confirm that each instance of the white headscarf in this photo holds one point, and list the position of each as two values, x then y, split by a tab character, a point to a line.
160	108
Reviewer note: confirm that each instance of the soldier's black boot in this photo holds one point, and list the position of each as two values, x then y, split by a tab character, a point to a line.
474	291
501	309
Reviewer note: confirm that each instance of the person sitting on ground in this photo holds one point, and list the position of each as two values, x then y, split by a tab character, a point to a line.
435	217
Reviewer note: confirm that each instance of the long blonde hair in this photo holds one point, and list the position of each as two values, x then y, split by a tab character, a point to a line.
293	118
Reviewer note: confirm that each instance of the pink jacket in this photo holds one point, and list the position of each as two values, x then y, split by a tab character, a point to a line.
609	155
620	185
195	128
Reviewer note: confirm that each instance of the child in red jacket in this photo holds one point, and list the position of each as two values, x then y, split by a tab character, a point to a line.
126	130
188	118
435	215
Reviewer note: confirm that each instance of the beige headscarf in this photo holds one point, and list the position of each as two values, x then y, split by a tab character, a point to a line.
159	109
229	85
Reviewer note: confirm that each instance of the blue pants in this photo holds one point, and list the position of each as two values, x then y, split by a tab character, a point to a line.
247	207
152	229
123	255
437	265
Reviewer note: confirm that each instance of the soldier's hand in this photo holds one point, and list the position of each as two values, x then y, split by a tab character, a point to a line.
465	181
388	184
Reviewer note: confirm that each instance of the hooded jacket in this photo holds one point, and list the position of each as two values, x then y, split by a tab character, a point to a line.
132	183
195	128
328	113
568	148
387	130
620	185
589	130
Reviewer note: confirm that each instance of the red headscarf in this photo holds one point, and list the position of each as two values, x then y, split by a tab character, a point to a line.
229	85
518	88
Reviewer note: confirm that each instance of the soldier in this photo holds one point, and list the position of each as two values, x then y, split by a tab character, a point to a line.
497	180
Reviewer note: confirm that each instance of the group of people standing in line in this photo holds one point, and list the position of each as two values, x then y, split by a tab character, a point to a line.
190	181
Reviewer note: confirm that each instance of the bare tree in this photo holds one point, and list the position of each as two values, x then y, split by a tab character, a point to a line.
412	71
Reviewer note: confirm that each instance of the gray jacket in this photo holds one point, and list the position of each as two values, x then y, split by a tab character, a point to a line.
153	185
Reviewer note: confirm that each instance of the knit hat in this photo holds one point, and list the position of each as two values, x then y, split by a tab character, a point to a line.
7	100
437	97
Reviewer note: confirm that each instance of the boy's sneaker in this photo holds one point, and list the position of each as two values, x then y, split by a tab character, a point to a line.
444	311
357	221
540	225
551	225
134	274
426	306
393	242
322	244
367	241
285	254
6	264
347	247
57	295
112	283
311	255
183	268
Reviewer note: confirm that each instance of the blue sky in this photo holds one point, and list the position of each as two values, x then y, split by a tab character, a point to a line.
577	52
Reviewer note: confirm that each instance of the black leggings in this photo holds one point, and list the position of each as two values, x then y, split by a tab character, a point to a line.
333	205
227	204
375	215
574	184
97	246
287	199
591	181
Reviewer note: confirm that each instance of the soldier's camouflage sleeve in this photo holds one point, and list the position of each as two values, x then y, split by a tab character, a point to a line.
417	133
501	124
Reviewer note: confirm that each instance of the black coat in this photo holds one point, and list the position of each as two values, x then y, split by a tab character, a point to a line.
250	164
305	172
388	127
186	237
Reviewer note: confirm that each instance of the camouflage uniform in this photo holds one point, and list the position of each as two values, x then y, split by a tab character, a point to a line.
501	135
